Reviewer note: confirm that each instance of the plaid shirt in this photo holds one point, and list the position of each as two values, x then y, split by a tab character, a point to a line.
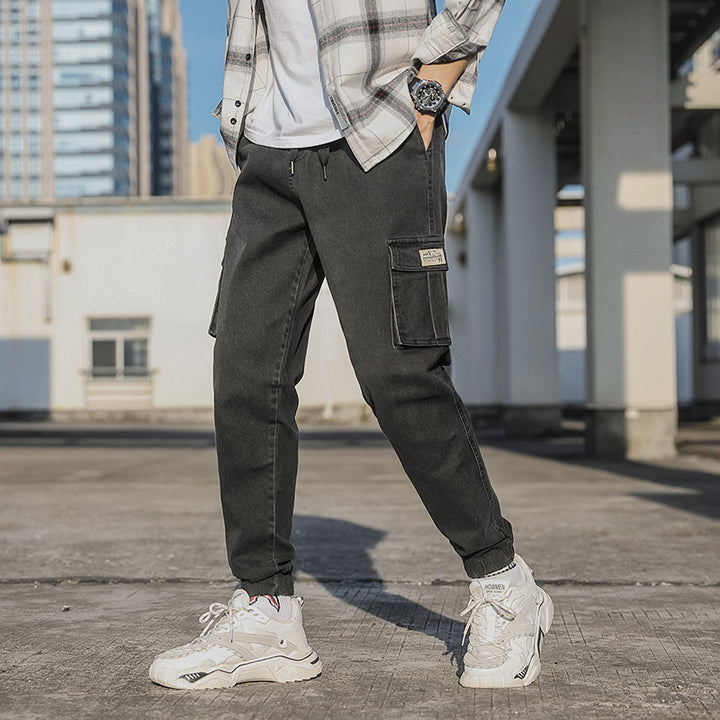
368	49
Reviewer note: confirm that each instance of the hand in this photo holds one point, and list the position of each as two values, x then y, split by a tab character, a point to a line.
425	123
446	74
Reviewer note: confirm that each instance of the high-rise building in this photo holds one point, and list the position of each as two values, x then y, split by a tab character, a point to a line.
90	90
209	174
168	98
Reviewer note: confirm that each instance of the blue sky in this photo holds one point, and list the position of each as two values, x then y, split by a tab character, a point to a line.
204	38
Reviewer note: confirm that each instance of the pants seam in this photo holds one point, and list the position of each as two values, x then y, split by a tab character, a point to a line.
429	197
469	438
277	392
430	304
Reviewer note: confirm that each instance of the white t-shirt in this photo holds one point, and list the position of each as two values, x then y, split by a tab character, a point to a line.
294	111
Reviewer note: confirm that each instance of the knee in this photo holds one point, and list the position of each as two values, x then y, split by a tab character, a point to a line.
409	374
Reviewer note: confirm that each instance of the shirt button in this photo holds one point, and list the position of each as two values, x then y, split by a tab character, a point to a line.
248	57
238	103
233	121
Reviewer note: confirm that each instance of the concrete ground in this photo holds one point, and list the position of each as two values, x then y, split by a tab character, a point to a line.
111	546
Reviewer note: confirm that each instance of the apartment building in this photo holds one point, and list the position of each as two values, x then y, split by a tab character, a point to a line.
92	99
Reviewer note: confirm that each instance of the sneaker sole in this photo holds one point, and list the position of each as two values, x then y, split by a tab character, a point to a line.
475	678
281	669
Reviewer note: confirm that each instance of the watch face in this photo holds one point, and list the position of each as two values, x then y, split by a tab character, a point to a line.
429	96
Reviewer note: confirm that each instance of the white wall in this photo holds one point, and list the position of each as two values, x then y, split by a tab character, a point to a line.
571	338
157	259
135	262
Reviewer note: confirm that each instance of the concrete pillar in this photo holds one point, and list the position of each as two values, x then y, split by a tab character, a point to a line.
476	365
706	395
628	200
455	244
531	397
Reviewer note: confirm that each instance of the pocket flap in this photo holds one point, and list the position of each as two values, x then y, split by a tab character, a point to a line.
418	254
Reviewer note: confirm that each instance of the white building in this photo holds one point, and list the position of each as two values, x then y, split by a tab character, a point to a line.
104	309
572	334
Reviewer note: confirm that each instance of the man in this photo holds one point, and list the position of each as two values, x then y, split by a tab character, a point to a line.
333	111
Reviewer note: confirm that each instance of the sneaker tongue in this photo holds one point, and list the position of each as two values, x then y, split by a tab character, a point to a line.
240	600
495	588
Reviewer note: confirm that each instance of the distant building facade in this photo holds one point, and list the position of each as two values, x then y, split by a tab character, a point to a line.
209	174
168	98
105	308
92	99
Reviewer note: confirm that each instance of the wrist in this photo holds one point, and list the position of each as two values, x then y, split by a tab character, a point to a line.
428	96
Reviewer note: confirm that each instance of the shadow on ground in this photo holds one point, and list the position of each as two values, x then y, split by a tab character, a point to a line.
336	554
701	488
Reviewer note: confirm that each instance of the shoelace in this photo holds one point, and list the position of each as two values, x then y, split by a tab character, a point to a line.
215	613
474	608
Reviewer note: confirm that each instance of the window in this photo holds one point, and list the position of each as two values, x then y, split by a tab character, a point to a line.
83	142
74	120
85	164
81	8
119	347
76	52
711	290
87	30
83	97
69	187
91	75
34	144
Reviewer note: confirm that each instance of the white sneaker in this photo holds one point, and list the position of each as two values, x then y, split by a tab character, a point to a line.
507	623
240	643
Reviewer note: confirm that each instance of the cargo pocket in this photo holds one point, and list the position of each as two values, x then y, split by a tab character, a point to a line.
418	271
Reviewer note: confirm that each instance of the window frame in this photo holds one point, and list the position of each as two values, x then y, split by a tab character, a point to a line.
119	336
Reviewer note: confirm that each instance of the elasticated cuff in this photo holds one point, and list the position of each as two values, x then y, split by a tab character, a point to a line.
491	560
275	585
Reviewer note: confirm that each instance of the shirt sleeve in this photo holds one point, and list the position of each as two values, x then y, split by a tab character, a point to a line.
461	29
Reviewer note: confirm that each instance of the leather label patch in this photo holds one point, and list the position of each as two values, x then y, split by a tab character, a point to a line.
432	256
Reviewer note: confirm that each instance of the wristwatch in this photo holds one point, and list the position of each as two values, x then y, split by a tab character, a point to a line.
428	96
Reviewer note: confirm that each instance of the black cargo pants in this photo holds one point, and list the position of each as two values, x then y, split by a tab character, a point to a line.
300	216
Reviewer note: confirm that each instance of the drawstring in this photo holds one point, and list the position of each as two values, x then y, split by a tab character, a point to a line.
324	157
